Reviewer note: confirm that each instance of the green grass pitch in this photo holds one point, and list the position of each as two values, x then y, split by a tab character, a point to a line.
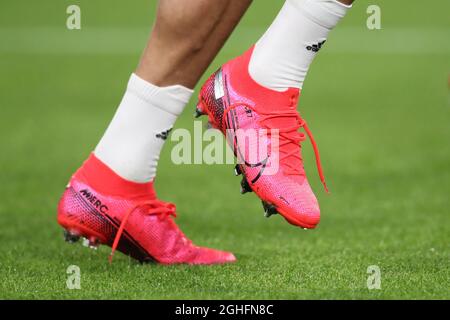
377	101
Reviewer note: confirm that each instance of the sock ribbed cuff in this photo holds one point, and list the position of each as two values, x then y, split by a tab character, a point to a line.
171	99
326	13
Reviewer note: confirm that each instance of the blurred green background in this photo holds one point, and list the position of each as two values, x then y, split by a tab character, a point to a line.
377	101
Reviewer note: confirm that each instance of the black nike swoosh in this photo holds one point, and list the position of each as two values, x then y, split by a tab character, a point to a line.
262	163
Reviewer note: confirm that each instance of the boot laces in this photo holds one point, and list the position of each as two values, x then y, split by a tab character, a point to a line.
290	139
152	207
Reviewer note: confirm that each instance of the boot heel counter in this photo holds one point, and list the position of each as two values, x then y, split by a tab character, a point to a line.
63	207
211	99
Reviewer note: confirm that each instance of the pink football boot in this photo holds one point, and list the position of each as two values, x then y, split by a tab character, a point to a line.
235	104
106	209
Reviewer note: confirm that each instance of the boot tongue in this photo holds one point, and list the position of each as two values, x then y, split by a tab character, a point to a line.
279	103
283	122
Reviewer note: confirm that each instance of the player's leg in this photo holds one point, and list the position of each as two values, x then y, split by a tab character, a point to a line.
260	90
185	39
111	199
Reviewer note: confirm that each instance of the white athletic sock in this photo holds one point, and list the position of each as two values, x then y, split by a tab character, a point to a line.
282	56
133	141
